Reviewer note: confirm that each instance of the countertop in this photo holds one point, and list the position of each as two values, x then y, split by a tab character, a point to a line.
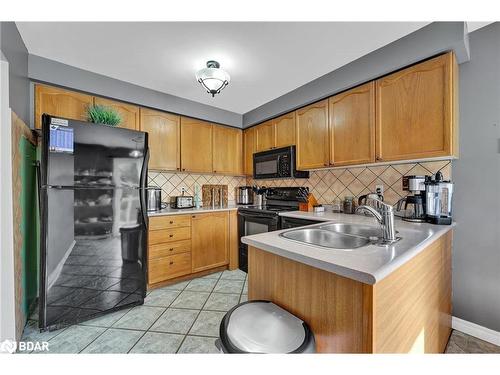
368	264
184	211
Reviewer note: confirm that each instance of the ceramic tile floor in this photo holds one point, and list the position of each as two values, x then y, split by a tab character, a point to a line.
180	318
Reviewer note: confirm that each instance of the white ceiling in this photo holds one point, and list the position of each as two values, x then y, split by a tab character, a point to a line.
265	60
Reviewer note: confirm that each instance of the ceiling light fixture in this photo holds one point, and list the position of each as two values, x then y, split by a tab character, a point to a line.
213	78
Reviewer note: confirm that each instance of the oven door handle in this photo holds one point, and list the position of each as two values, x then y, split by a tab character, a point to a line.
260	218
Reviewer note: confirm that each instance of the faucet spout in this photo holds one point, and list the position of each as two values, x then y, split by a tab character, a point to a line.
372	211
385	217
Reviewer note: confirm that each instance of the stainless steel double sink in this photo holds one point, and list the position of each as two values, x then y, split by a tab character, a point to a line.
336	235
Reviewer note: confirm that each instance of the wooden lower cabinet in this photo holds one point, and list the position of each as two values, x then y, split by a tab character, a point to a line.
161	269
185	245
209	241
409	311
169	251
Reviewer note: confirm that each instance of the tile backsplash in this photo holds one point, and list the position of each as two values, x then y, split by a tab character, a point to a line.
326	185
172	182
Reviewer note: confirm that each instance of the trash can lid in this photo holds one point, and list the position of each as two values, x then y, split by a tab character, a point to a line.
130	227
263	327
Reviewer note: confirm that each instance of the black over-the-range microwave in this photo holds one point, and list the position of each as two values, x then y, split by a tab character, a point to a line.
276	163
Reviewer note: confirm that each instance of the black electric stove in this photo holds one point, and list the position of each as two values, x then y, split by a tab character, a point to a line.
265	218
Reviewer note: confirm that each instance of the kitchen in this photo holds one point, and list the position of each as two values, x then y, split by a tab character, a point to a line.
343	203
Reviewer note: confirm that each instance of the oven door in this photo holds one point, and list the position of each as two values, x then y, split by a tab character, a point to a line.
253	223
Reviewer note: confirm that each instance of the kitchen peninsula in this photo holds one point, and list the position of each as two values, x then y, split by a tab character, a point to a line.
372	299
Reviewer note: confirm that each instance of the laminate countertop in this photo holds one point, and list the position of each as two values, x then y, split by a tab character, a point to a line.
368	264
190	211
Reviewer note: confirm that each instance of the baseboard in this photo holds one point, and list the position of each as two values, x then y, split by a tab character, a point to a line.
476	330
54	275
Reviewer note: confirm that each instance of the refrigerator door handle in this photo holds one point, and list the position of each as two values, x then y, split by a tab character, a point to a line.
142	187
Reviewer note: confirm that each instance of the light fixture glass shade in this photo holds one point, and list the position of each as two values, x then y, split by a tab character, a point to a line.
213	78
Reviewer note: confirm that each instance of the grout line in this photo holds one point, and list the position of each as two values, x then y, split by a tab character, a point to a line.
197	316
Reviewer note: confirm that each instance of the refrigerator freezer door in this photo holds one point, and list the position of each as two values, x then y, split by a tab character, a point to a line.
93	253
80	154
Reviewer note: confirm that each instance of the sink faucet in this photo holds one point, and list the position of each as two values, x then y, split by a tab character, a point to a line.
385	216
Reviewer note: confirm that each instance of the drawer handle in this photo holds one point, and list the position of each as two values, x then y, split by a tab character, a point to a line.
171	262
171	235
171	249
171	222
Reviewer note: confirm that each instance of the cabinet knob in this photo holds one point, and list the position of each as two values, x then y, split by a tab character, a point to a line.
171	249
171	235
193	216
215	171
178	168
171	222
183	169
171	262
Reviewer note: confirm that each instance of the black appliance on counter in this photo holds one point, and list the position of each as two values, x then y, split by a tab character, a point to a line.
265	218
92	188
276	163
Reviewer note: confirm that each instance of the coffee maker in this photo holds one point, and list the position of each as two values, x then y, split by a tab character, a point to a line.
415	202
439	196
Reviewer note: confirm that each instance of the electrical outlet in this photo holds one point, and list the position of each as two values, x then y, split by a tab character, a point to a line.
183	190
379	188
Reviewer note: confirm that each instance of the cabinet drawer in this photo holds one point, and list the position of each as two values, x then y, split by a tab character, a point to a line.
169	248
169	221
169	235
161	269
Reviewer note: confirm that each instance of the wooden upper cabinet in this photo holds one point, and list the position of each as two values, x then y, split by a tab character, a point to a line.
312	136
196	145
352	126
416	111
58	102
227	150
285	130
265	136
128	113
209	240
164	139
250	147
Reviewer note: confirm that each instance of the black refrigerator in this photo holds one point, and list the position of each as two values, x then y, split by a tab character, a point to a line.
93	220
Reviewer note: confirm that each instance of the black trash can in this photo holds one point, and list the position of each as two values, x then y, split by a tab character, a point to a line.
131	238
263	327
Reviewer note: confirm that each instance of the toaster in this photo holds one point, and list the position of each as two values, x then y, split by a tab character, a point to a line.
182	201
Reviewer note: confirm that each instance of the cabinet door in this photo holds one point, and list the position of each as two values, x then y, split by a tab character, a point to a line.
128	113
209	240
196	145
249	146
415	111
58	102
164	139
265	136
227	150
285	130
352	126
312	136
